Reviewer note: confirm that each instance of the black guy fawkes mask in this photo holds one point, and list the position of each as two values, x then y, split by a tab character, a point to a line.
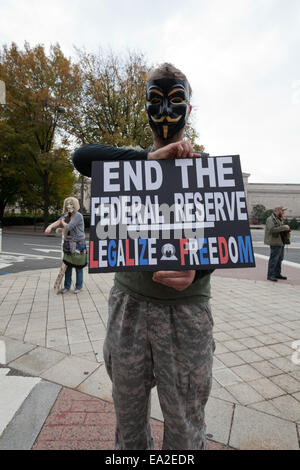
167	105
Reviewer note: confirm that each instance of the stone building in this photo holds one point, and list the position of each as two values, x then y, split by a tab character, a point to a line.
271	195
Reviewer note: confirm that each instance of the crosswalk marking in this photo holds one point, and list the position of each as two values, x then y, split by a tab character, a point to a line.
47	250
26	255
40	244
13	391
4	265
7	260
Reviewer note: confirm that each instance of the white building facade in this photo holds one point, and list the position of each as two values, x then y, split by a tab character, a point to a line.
272	195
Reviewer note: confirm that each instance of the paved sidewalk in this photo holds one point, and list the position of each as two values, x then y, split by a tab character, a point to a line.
255	400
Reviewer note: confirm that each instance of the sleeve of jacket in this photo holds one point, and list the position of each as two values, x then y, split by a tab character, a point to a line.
76	220
85	155
201	273
274	228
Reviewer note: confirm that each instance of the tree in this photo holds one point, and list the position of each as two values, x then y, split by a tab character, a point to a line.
257	213
267	214
110	106
102	98
294	224
39	87
57	187
11	174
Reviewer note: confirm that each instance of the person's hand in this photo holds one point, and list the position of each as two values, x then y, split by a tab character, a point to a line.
179	280
287	227
47	231
181	149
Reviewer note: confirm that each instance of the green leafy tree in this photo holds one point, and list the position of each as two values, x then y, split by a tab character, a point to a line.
57	187
294	224
15	149
110	106
38	88
267	214
257	213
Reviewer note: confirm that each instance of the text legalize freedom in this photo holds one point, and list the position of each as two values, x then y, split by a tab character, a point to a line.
169	214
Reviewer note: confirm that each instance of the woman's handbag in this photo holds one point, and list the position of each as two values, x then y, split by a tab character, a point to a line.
76	260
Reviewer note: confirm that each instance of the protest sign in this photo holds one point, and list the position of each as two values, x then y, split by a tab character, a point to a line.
169	214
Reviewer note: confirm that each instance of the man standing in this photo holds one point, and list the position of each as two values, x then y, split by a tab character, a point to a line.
160	324
275	232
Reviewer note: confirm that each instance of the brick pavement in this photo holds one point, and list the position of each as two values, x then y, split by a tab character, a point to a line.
80	422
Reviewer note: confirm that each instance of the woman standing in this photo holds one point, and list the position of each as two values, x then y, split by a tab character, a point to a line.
73	224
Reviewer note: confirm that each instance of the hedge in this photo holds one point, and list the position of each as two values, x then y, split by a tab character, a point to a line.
23	219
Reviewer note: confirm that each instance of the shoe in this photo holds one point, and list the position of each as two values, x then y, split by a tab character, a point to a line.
64	290
76	291
281	277
272	279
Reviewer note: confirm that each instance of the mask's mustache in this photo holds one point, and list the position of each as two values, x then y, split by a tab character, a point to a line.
166	118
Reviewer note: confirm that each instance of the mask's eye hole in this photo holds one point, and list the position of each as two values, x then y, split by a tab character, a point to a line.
177	100
155	100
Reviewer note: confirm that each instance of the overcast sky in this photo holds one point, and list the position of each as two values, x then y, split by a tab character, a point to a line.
241	58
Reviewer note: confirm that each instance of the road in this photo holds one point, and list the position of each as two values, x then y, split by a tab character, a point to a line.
292	251
24	252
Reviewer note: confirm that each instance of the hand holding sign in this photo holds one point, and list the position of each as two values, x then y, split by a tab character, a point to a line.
182	149
179	280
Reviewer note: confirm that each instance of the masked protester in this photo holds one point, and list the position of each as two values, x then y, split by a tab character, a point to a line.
160	325
276	236
73	224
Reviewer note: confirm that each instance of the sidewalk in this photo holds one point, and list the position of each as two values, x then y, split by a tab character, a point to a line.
55	343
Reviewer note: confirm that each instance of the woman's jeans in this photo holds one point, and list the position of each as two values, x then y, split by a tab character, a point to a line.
79	271
68	278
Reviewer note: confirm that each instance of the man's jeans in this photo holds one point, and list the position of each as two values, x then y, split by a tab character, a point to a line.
79	278
275	260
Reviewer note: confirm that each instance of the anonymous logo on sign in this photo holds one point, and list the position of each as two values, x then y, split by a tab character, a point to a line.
168	252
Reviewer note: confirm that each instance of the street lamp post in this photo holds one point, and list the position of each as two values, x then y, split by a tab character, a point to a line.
82	193
2	103
2	93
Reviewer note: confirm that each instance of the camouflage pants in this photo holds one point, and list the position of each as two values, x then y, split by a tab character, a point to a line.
168	346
